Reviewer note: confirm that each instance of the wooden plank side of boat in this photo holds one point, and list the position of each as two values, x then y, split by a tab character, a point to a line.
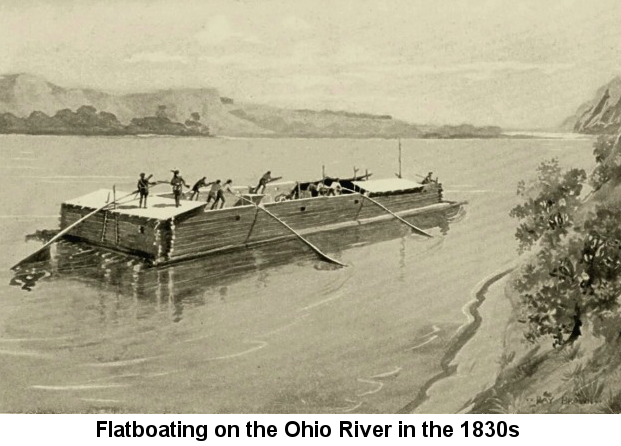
114	230
126	227
244	226
430	209
168	234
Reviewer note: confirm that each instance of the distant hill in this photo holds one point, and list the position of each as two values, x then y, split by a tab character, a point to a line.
86	120
329	123
324	123
22	94
601	115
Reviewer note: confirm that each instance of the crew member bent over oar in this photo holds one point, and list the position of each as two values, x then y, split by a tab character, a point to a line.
220	194
177	182
143	189
196	188
216	187
266	178
429	179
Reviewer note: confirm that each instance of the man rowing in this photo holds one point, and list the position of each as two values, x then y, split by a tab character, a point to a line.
216	188
220	194
266	178
143	189
429	179
177	182
196	188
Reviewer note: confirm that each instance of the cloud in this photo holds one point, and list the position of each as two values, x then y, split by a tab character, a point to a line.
293	23
492	67
473	71
156	57
219	30
304	81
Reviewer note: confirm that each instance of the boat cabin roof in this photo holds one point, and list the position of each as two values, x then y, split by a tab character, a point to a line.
387	185
161	208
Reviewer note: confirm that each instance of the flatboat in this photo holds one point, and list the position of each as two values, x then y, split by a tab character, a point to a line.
164	233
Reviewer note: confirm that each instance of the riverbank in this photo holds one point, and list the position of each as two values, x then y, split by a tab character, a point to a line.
582	377
558	315
465	366
491	368
563	356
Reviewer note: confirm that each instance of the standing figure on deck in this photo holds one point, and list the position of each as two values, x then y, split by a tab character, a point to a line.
143	189
220	194
216	187
266	178
196	188
177	182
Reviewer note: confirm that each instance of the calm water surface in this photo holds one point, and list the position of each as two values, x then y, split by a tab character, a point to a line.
266	330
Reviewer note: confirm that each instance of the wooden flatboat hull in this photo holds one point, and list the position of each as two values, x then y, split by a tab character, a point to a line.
198	232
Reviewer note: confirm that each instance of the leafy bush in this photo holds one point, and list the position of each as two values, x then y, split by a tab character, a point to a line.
550	203
576	272
608	167
581	277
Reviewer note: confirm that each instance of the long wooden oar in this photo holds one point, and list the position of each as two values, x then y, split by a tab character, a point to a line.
70	227
377	203
321	255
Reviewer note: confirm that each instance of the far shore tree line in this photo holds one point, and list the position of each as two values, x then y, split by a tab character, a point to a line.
573	277
86	120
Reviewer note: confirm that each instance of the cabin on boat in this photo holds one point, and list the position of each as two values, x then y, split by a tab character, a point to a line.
165	233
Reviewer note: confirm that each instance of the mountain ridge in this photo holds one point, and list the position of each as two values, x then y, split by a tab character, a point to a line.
21	94
600	115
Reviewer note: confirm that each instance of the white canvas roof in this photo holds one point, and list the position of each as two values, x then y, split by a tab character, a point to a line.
387	185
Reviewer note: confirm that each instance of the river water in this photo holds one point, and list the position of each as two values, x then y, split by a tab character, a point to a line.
266	330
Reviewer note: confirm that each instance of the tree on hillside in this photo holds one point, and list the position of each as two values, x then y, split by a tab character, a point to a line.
578	280
608	161
9	123
110	120
550	203
86	110
195	124
575	275
161	112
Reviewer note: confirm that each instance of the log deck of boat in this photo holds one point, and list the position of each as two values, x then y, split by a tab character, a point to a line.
164	233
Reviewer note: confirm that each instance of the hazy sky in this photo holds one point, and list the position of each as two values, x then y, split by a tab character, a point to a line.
515	63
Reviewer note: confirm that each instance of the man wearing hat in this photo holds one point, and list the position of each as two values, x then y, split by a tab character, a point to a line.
177	182
143	189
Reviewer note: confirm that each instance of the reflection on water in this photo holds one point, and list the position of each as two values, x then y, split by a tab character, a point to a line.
192	283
